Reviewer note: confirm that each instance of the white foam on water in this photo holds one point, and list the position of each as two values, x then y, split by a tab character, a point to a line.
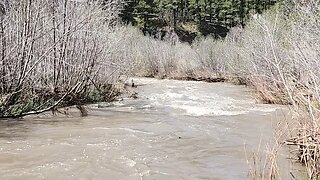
196	103
128	162
173	95
205	111
196	98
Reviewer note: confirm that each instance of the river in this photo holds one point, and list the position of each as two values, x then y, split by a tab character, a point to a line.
173	130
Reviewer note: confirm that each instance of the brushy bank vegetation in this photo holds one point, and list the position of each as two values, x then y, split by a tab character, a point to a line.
57	53
277	54
169	58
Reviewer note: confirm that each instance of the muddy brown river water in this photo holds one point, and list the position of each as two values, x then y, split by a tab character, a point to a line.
173	130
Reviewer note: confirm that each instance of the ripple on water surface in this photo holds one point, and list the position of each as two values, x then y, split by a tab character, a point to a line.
174	130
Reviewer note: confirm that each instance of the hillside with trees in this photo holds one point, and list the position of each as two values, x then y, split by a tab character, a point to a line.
201	17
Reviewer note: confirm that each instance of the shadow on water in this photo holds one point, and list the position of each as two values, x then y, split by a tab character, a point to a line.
20	128
13	128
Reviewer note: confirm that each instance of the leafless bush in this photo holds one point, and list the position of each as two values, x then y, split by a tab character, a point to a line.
213	55
304	53
281	50
156	58
50	47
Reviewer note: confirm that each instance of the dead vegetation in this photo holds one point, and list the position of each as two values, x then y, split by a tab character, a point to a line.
281	51
57	53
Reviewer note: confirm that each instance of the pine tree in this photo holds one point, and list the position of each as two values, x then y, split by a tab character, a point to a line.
153	14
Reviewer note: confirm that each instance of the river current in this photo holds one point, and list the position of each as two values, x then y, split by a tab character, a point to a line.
173	130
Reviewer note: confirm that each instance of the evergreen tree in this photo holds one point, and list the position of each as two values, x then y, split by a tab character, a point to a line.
151	15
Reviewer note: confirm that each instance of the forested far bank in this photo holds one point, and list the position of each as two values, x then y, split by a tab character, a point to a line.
191	18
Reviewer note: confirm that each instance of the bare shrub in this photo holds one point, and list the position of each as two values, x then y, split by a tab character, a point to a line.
304	53
213	55
281	51
49	48
172	59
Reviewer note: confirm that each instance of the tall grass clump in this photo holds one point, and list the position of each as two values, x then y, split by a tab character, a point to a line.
57	53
